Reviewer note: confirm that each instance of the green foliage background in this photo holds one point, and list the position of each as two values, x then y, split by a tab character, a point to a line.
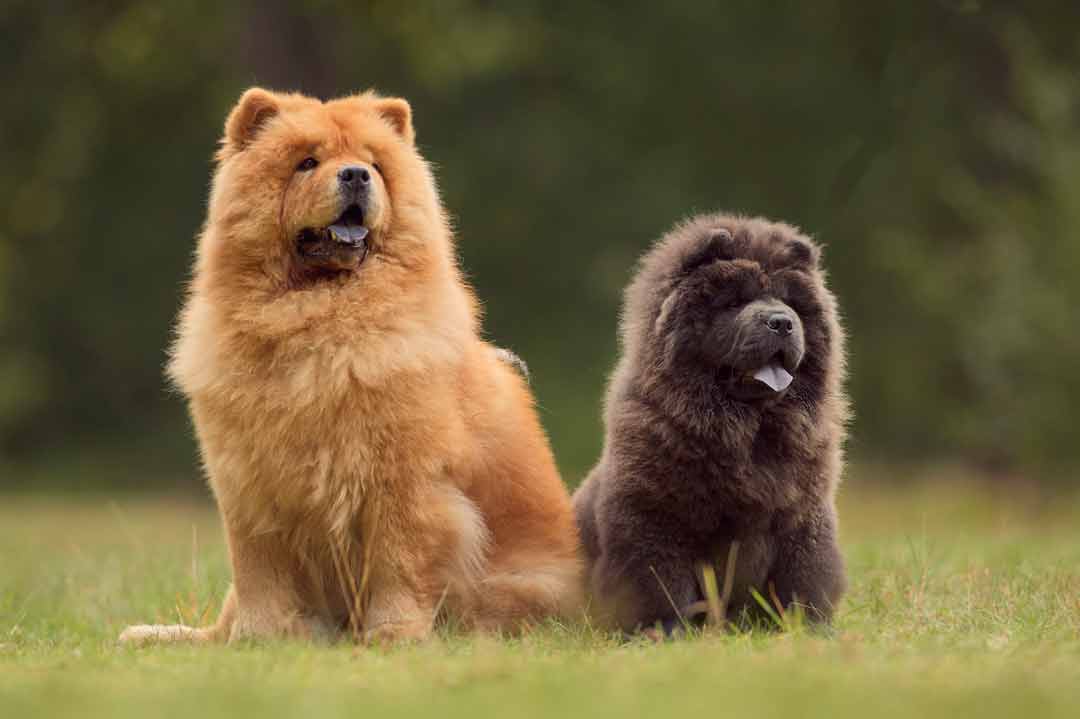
934	147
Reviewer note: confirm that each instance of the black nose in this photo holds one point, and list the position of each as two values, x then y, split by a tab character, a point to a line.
354	176
780	323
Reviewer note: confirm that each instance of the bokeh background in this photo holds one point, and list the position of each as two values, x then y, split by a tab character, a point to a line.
933	147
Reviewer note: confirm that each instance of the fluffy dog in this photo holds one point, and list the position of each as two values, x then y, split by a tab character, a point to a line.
373	460
724	423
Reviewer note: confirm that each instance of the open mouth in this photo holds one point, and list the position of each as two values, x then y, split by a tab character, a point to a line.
341	244
768	380
774	376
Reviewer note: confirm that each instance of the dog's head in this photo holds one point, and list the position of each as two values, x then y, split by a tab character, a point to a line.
741	300
307	191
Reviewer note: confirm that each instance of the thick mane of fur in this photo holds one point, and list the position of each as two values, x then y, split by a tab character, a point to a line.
244	309
685	462
813	414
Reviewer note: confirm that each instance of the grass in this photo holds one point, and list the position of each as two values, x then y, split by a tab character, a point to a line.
964	600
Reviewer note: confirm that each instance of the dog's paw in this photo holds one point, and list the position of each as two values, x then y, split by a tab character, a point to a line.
390	633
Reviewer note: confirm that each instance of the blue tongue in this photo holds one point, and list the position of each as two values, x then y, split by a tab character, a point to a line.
774	376
348	233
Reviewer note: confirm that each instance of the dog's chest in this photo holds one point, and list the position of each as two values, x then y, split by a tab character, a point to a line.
725	498
283	450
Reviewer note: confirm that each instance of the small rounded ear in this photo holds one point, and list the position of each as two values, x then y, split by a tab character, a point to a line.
800	252
716	244
397	112
256	106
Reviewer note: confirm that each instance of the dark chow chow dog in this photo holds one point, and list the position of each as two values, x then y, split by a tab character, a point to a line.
725	419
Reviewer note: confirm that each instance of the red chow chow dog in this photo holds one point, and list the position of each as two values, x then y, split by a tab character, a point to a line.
375	462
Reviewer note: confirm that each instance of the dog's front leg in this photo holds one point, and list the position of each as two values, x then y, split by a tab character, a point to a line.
265	600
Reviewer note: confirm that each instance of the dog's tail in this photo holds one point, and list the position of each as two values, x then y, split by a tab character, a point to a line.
511	358
509	601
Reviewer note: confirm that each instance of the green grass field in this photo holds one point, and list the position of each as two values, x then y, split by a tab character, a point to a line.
964	600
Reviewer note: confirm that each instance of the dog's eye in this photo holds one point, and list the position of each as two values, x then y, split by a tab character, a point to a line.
308	163
377	167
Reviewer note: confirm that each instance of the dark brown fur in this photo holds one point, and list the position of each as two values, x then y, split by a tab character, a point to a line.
690	464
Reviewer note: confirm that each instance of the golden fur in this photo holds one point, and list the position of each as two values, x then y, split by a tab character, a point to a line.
372	458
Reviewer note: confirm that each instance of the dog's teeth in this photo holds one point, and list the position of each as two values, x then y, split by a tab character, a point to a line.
347	234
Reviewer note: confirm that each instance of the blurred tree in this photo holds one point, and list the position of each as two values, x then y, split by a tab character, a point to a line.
933	147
